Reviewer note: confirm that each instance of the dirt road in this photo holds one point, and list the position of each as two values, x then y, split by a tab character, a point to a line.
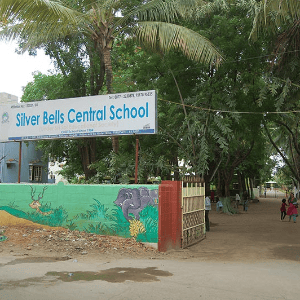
256	235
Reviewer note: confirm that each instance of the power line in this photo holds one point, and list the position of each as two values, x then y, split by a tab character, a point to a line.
238	60
231	111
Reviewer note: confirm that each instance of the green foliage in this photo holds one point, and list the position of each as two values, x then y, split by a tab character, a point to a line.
71	225
46	87
227	208
149	218
13	205
213	128
56	217
123	56
97	213
153	23
211	131
117	167
120	225
100	219
100	228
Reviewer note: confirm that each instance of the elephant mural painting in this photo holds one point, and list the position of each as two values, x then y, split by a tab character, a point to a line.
133	201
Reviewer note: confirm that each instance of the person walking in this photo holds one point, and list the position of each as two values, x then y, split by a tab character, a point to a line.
292	211
246	204
292	198
207	209
283	209
237	200
219	205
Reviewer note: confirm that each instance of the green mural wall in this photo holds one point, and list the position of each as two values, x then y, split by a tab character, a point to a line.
123	210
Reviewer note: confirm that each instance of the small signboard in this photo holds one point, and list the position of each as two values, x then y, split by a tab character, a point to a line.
101	115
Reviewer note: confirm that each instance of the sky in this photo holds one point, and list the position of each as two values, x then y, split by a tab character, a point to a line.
16	70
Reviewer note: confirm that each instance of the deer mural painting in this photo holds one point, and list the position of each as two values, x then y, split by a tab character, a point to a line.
35	204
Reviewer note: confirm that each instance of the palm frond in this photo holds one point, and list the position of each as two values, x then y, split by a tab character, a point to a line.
33	34
272	14
38	22
204	8
160	10
37	10
171	36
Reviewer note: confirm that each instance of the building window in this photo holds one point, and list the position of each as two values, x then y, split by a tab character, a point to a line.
35	173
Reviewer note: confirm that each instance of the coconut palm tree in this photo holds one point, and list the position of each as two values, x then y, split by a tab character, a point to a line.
153	23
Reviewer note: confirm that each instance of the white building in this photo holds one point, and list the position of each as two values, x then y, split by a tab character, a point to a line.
54	168
6	98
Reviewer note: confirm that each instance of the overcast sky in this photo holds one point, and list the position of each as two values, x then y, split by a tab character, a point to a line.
16	70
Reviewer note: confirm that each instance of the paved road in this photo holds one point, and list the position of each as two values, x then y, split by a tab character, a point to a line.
252	255
148	279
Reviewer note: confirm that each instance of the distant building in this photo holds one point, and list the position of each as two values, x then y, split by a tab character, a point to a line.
271	184
54	168
33	169
6	98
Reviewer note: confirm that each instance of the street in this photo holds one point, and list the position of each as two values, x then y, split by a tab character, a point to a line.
251	255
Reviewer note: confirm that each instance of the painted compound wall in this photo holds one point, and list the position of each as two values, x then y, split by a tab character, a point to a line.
123	210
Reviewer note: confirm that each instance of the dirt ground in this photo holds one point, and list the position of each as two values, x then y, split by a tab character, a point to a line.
256	235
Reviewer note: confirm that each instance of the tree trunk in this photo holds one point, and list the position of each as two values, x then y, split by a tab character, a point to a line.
251	188
243	186
221	184
227	208
227	189
227	180
176	168
108	69
109	79
115	143
96	76
240	180
87	153
207	185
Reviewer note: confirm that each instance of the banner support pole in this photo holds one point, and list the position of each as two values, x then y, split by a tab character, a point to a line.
136	157
20	161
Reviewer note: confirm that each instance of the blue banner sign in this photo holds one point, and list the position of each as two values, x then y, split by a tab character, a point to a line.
103	115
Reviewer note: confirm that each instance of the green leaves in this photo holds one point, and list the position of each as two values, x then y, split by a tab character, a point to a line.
168	36
272	15
45	87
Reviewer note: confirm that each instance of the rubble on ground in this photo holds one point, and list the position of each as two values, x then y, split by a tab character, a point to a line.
66	242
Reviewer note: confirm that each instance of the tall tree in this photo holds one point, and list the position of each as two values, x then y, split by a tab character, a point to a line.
153	23
101	21
223	132
280	20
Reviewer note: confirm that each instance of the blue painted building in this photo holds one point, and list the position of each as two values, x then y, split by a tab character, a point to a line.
33	168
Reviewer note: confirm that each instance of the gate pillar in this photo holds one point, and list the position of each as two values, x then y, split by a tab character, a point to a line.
170	216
